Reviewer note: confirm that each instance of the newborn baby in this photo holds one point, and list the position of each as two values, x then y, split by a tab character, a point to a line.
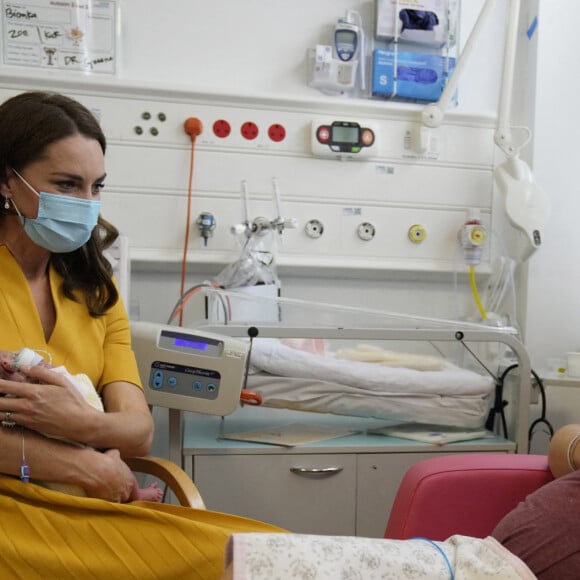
10	362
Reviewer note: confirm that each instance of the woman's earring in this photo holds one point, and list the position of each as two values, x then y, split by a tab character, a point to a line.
6	203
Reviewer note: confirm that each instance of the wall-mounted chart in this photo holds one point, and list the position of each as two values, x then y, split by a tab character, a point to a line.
79	36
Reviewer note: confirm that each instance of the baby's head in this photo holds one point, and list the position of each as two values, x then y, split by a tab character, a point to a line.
11	361
7	369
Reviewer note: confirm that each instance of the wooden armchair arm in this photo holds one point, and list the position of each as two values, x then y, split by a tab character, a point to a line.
172	475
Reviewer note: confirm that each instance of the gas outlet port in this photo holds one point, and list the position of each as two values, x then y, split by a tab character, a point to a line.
366	231
417	234
314	228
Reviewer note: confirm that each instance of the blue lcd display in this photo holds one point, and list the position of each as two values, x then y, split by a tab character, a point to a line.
190	344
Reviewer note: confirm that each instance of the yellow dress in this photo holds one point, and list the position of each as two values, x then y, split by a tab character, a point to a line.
45	534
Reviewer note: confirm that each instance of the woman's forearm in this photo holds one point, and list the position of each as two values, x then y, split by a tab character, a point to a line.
48	459
101	475
131	432
127	424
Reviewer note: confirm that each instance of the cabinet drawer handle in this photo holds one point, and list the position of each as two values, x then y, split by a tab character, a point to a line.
316	471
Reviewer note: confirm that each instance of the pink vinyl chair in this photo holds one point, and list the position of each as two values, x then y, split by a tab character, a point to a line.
465	494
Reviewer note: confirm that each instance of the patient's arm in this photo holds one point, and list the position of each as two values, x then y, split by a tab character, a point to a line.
564	450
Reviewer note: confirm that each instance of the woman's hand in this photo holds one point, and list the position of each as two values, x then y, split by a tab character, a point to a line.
111	479
49	404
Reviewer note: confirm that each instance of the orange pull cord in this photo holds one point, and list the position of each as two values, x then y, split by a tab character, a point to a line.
193	128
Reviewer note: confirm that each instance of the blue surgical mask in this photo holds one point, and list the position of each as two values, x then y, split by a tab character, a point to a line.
63	223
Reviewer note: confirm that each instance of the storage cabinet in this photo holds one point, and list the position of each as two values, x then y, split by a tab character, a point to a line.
378	479
341	486
273	488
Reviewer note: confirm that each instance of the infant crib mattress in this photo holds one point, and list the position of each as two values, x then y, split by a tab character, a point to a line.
290	378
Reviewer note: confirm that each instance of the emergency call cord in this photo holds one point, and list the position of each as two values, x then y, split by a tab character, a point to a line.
193	127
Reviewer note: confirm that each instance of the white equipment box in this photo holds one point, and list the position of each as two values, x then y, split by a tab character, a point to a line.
188	369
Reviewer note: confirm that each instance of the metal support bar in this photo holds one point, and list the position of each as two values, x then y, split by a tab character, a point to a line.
176	436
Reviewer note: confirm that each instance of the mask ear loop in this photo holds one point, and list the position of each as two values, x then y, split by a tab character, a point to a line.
25	182
22	218
16	208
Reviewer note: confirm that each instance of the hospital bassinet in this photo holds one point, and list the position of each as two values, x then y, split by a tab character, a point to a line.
288	374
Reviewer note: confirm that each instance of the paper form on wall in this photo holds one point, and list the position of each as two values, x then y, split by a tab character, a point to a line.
78	36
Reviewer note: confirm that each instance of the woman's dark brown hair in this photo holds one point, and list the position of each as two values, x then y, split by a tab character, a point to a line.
29	123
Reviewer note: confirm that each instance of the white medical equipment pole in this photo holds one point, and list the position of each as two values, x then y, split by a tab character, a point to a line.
432	115
245	203
503	135
526	205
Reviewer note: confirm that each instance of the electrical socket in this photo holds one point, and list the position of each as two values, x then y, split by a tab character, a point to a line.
249	130
221	128
277	132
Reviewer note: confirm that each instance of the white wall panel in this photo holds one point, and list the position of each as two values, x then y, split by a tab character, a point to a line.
148	168
393	189
190	61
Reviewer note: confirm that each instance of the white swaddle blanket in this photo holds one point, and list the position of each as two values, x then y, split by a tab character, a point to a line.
311	382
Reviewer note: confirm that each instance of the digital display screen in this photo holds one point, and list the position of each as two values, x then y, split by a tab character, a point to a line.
193	344
345	134
345	36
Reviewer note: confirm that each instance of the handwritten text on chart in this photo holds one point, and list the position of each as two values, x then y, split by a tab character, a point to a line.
59	34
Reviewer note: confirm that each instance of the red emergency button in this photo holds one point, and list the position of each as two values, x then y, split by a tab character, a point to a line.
367	137
323	134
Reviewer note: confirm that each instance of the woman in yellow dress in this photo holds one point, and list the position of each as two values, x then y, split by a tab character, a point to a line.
57	295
